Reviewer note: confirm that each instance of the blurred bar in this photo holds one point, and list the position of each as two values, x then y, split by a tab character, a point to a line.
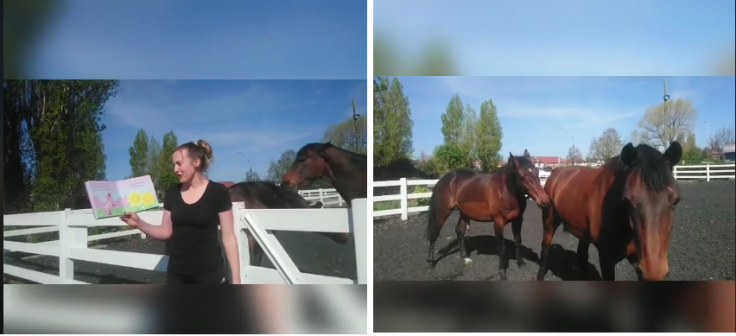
553	307
145	309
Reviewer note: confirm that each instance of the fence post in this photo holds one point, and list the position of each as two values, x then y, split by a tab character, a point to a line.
674	172
404	199
321	196
707	172
359	212
242	238
69	237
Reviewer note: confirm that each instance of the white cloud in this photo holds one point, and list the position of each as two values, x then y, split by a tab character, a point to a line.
159	105
506	95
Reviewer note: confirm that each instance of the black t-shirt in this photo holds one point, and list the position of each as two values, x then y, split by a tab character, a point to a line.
193	246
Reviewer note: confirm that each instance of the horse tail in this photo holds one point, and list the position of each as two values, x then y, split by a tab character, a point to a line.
432	231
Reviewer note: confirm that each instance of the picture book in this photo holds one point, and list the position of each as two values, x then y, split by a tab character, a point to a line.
114	198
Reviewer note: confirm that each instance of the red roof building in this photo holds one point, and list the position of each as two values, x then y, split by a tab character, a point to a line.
227	184
544	161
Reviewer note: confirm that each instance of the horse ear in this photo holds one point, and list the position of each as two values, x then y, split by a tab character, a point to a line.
526	154
512	160
323	147
629	155
673	154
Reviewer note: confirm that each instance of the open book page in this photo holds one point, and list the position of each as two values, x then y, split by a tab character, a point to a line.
114	198
138	193
105	199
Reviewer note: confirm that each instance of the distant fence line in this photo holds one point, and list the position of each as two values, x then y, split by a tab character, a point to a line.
705	172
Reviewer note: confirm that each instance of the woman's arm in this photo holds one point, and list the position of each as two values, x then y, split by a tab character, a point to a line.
230	243
158	232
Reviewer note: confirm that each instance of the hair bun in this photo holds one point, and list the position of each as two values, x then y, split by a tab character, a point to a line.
206	147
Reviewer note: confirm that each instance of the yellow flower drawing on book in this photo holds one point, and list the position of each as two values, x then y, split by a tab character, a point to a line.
148	198
135	199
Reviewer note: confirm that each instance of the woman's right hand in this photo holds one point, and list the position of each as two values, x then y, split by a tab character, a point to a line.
131	218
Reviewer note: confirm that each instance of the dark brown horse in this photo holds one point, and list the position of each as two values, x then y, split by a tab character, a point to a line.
267	195
498	197
345	170
625	208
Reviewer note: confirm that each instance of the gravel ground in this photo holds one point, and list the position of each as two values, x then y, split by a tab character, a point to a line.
701	246
312	253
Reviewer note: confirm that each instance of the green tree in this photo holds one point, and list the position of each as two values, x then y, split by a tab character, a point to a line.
166	176
689	142
452	121
52	140
67	141
449	156
574	155
139	162
488	136
252	176
277	168
660	126
153	158
392	123
467	135
692	155
606	146
343	135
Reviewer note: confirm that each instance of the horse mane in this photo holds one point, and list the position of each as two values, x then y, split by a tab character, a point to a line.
399	168
650	166
355	158
271	195
508	169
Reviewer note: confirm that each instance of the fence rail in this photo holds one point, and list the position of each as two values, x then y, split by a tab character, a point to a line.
705	172
73	242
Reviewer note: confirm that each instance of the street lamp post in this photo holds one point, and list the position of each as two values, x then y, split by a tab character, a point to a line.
356	116
666	97
707	124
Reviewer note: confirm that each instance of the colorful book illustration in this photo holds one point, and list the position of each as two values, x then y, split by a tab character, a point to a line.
114	198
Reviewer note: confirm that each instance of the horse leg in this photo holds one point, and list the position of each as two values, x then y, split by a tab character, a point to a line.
608	267
516	229
498	225
462	225
583	245
550	222
437	217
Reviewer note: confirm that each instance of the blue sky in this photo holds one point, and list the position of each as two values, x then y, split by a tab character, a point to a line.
213	39
532	110
565	38
260	118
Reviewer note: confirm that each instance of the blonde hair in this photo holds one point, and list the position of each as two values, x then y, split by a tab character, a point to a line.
200	150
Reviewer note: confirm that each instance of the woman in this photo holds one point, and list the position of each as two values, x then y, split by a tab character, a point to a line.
193	209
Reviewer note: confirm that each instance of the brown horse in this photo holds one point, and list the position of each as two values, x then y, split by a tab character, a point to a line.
625	208
345	170
498	197
267	195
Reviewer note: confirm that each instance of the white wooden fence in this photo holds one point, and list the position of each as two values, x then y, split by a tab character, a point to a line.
73	242
705	172
328	197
